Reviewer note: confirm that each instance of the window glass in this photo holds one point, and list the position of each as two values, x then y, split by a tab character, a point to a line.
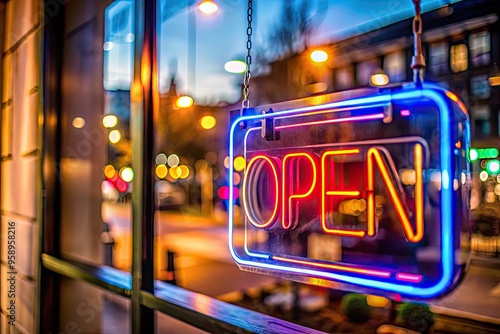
117	171
480	87
118	45
481	117
87	309
395	66
438	59
365	70
480	48
89	145
459	58
344	78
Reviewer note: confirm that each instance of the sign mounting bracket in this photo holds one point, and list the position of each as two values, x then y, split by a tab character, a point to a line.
269	127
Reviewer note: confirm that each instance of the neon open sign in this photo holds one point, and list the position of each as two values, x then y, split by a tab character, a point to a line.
365	192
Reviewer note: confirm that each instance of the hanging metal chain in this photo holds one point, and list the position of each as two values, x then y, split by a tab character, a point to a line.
248	74
418	59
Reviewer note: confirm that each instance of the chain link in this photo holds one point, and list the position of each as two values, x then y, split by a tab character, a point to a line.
248	74
418	60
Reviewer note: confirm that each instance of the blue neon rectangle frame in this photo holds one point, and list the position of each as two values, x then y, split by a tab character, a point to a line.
430	92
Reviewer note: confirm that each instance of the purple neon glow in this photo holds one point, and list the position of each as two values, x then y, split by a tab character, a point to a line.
336	120
405	113
409	277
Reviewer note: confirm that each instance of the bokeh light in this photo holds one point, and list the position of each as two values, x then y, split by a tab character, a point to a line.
236	179
377	301
78	122
483	175
184	171
235	66
379	79
109	121
239	164
109	171
161	171
184	101
107	46
121	185
161	159
319	56
493	166
408	177
173	160
127	174
115	136
175	172
226	162
208	122
208	7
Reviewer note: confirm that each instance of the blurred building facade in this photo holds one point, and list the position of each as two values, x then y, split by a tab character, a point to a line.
461	45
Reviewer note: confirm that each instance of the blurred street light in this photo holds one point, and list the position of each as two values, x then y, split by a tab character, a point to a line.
115	136
235	66
173	160
319	56
109	171
379	78
208	7
127	174
208	122
109	121
78	122
184	101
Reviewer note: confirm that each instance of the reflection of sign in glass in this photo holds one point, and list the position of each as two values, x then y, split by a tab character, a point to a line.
480	87
332	176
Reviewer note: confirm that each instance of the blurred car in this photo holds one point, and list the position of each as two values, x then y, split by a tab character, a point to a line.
169	196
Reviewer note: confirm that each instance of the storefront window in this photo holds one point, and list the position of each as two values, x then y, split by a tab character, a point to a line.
459	58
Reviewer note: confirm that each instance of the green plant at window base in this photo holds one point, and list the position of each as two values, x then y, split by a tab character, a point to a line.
355	307
416	316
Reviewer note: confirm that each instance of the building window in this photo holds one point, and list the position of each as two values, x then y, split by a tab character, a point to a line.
438	58
344	78
394	66
480	48
458	58
482	123
480	87
365	70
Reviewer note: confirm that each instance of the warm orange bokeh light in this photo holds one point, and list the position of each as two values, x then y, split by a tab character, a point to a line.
184	101
319	56
208	122
208	7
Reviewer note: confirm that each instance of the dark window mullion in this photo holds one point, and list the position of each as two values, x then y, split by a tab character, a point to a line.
144	101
